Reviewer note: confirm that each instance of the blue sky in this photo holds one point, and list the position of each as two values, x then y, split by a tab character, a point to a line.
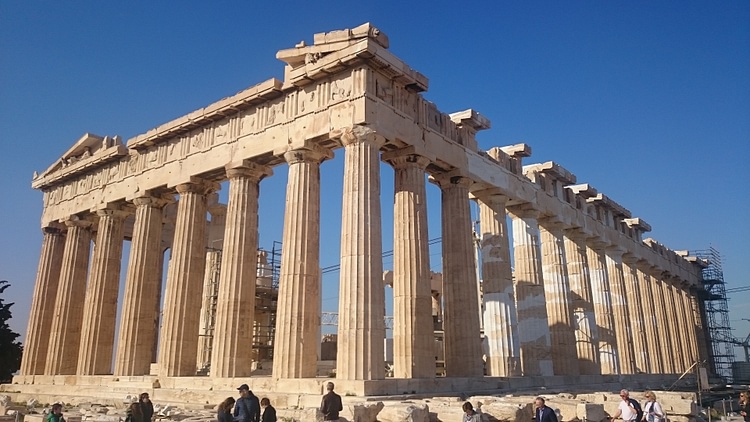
647	101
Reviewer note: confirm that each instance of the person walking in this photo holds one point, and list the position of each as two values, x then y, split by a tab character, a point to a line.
542	412
629	409
269	413
331	404
147	408
652	410
224	411
470	415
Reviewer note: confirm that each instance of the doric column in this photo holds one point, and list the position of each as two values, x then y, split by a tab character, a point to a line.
361	330
636	309
298	315
586	332
413	337
662	323
602	306
500	317
44	301
621	298
65	334
697	319
209	297
689	327
533	330
676	331
682	324
178	339
650	322
100	305
557	297
666	323
140	306
463	343
235	303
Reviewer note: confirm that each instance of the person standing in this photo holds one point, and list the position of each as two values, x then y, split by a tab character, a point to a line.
224	411
147	408
331	404
269	413
470	415
542	412
628	409
652	410
55	414
247	407
745	405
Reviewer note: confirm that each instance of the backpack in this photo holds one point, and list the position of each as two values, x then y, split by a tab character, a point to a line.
637	407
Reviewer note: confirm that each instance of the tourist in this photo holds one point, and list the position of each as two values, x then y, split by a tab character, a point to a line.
628	409
224	411
471	415
331	404
55	414
247	407
652	410
542	412
134	413
147	408
269	413
745	405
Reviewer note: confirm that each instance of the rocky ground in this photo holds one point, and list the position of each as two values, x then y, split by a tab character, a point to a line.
595	407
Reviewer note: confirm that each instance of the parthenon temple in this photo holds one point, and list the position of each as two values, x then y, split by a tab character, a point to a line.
565	285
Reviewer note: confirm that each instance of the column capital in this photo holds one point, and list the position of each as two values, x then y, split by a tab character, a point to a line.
525	210
576	233
615	250
76	221
113	212
453	178
310	154
53	228
197	185
357	133
406	157
154	201
247	168
629	258
596	242
491	196
551	222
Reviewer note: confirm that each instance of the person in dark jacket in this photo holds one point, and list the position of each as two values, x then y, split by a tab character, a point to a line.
224	411
745	405
542	413
147	408
247	407
331	404
269	413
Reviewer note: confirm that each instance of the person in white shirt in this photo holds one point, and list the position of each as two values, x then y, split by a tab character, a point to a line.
628	408
652	410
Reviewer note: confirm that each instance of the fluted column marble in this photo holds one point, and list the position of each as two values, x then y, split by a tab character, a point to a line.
697	319
361	329
235	303
44	301
682	325
500	318
140	306
689	324
653	342
663	328
298	316
602	307
178	339
533	330
674	335
636	310
100	304
463	344
621	299
65	334
557	297
413	337
582	303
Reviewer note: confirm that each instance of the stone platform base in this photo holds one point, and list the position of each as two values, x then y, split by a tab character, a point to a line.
303	393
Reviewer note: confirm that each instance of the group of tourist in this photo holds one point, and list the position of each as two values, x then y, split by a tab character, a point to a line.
248	408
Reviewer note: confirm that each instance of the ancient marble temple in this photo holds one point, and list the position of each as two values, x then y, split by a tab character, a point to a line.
585	297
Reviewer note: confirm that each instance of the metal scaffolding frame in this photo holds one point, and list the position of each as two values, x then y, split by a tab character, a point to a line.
716	309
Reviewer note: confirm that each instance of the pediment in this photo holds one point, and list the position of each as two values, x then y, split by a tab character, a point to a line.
89	151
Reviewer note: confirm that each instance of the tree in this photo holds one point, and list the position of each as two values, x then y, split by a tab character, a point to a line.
10	349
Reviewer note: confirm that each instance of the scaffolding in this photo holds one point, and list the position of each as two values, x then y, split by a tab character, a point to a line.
716	311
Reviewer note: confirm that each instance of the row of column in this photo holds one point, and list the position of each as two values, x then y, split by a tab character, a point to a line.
573	298
578	299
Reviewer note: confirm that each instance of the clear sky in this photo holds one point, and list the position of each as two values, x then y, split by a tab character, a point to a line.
648	101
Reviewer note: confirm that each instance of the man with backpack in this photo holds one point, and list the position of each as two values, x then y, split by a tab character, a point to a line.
629	409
